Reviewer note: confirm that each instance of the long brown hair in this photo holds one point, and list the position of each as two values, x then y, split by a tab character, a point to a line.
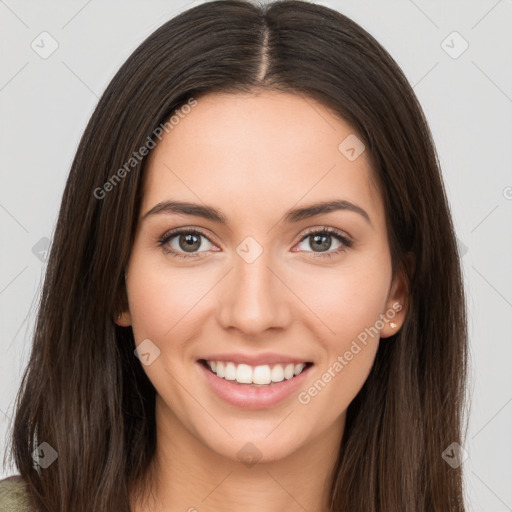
85	393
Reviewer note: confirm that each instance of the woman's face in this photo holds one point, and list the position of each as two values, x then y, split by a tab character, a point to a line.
254	284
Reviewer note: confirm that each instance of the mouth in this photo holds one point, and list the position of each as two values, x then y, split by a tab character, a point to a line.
265	375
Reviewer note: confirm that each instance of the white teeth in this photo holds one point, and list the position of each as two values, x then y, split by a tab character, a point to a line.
230	371
289	371
244	374
262	375
259	375
277	373
299	368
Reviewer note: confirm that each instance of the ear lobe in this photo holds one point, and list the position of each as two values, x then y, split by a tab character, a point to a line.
396	306
123	319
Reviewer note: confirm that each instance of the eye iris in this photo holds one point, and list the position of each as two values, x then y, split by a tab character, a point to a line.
189	242
323	241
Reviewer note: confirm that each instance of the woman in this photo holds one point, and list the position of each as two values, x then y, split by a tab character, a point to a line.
253	298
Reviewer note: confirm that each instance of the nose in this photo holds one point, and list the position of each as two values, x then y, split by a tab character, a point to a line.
254	297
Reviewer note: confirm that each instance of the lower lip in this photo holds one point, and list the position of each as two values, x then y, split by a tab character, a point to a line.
251	397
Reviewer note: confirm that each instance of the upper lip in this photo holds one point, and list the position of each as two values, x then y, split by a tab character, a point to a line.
255	359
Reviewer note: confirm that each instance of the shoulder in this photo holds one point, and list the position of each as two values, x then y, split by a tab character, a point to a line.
14	495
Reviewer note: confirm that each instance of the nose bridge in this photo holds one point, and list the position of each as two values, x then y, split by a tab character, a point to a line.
253	298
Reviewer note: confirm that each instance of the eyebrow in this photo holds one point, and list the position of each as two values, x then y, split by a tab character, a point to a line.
291	216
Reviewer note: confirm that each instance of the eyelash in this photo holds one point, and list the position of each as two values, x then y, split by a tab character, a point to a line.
346	242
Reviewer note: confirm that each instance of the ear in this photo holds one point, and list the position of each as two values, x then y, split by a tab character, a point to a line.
397	302
121	313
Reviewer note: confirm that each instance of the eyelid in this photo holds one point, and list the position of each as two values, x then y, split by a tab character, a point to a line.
327	229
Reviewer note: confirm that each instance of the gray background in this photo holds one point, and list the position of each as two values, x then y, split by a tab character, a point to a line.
46	102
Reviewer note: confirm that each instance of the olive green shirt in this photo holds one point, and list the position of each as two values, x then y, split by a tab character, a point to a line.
14	495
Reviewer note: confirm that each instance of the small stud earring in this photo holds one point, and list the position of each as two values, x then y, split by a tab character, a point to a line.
392	325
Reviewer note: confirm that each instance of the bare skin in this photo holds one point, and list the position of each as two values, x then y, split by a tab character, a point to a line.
254	157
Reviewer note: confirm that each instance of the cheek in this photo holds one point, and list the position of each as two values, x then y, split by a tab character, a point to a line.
349	302
162	298
347	298
352	313
164	306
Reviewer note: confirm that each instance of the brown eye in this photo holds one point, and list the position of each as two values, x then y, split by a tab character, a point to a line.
190	242
185	243
321	241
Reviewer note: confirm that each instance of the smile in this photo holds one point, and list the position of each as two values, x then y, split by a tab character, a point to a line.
238	383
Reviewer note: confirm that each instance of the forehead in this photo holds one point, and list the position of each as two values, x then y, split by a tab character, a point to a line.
258	153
